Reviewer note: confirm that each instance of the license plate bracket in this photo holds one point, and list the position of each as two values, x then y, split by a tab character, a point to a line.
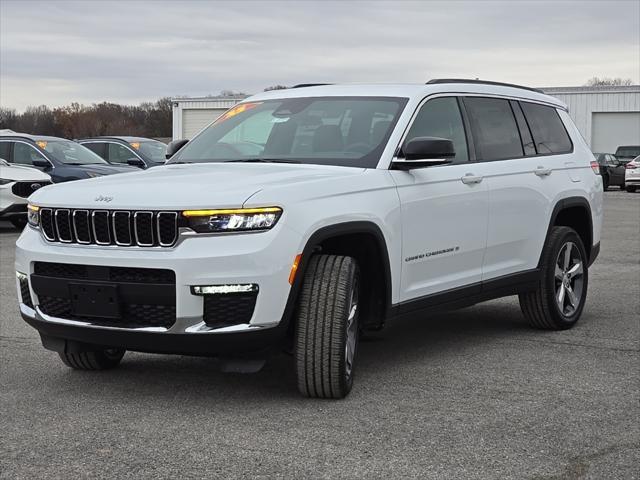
95	300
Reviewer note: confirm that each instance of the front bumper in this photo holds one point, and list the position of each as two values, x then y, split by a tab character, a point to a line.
263	258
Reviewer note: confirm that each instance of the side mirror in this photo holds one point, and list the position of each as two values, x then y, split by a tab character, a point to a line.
425	152
136	162
174	146
41	164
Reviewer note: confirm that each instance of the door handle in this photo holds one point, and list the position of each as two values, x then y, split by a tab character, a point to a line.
542	172
470	179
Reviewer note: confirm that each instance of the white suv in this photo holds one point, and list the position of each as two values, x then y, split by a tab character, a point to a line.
302	217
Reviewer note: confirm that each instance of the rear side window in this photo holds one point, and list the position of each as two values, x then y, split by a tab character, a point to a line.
547	129
441	117
495	132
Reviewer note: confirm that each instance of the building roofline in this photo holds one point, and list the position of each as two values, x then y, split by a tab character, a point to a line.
588	89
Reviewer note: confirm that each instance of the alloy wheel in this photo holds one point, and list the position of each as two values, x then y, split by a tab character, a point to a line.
569	281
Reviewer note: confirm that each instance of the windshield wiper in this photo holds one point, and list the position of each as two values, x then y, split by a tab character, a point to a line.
263	160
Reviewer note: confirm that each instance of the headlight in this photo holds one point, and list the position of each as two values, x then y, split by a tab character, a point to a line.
33	215
4	181
234	220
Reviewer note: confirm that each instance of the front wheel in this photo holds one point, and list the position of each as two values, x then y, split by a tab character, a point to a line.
558	301
327	328
19	222
631	189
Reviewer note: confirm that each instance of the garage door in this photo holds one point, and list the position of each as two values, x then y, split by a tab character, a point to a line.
611	129
195	120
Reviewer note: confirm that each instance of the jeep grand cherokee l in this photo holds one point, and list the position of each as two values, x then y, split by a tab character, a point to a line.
302	217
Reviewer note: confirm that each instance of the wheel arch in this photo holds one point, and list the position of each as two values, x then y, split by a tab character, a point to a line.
338	239
574	212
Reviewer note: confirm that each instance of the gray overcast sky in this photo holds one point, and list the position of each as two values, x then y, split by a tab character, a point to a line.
56	52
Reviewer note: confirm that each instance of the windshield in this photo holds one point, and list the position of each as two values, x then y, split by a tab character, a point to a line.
346	131
69	152
153	150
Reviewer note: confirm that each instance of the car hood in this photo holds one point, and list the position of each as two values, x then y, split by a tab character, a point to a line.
188	186
20	173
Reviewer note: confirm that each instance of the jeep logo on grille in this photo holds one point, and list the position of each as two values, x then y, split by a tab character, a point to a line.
35	186
101	198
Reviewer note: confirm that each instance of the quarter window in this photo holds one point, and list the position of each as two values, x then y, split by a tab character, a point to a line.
495	132
547	129
441	117
25	154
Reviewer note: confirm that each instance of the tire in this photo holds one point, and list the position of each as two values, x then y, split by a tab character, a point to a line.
98	360
631	189
605	183
327	328
541	307
19	222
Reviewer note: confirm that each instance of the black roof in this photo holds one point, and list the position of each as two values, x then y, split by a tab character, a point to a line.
123	138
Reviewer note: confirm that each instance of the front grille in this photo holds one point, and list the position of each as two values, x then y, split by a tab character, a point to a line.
110	227
223	310
147	295
133	315
25	294
24	189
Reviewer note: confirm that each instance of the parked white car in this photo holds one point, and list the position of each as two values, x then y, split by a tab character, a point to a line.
632	175
16	184
303	216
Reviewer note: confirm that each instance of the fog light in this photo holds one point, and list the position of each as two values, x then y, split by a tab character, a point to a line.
224	289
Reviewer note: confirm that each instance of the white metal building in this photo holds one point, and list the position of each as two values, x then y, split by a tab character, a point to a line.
606	116
190	115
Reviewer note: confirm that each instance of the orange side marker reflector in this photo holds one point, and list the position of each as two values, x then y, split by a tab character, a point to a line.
294	268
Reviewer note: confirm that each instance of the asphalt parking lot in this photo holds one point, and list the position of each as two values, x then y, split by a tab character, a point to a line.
471	394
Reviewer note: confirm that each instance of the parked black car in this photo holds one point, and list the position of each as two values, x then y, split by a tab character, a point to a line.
611	169
62	159
136	151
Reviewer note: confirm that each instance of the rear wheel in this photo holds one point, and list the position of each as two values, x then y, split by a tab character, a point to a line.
97	360
327	329
605	183
631	188
558	301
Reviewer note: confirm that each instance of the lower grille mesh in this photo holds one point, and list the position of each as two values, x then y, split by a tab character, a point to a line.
223	310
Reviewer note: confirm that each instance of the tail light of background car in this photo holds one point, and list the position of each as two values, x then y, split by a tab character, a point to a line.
595	167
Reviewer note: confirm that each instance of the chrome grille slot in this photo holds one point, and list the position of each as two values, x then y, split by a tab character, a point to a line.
62	218
143	225
121	228
46	222
101	230
167	223
81	226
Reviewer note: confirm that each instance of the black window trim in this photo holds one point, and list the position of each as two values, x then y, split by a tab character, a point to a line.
515	104
519	100
465	125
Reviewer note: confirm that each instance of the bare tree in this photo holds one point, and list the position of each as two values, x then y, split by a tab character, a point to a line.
606	81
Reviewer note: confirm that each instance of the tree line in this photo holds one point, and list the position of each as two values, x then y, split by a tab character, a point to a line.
149	119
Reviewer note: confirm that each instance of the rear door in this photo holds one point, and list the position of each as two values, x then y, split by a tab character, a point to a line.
444	209
523	146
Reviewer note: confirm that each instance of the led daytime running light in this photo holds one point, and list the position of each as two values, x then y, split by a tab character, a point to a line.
236	211
224	289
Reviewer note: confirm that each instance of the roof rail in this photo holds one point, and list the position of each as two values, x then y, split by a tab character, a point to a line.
481	82
303	85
